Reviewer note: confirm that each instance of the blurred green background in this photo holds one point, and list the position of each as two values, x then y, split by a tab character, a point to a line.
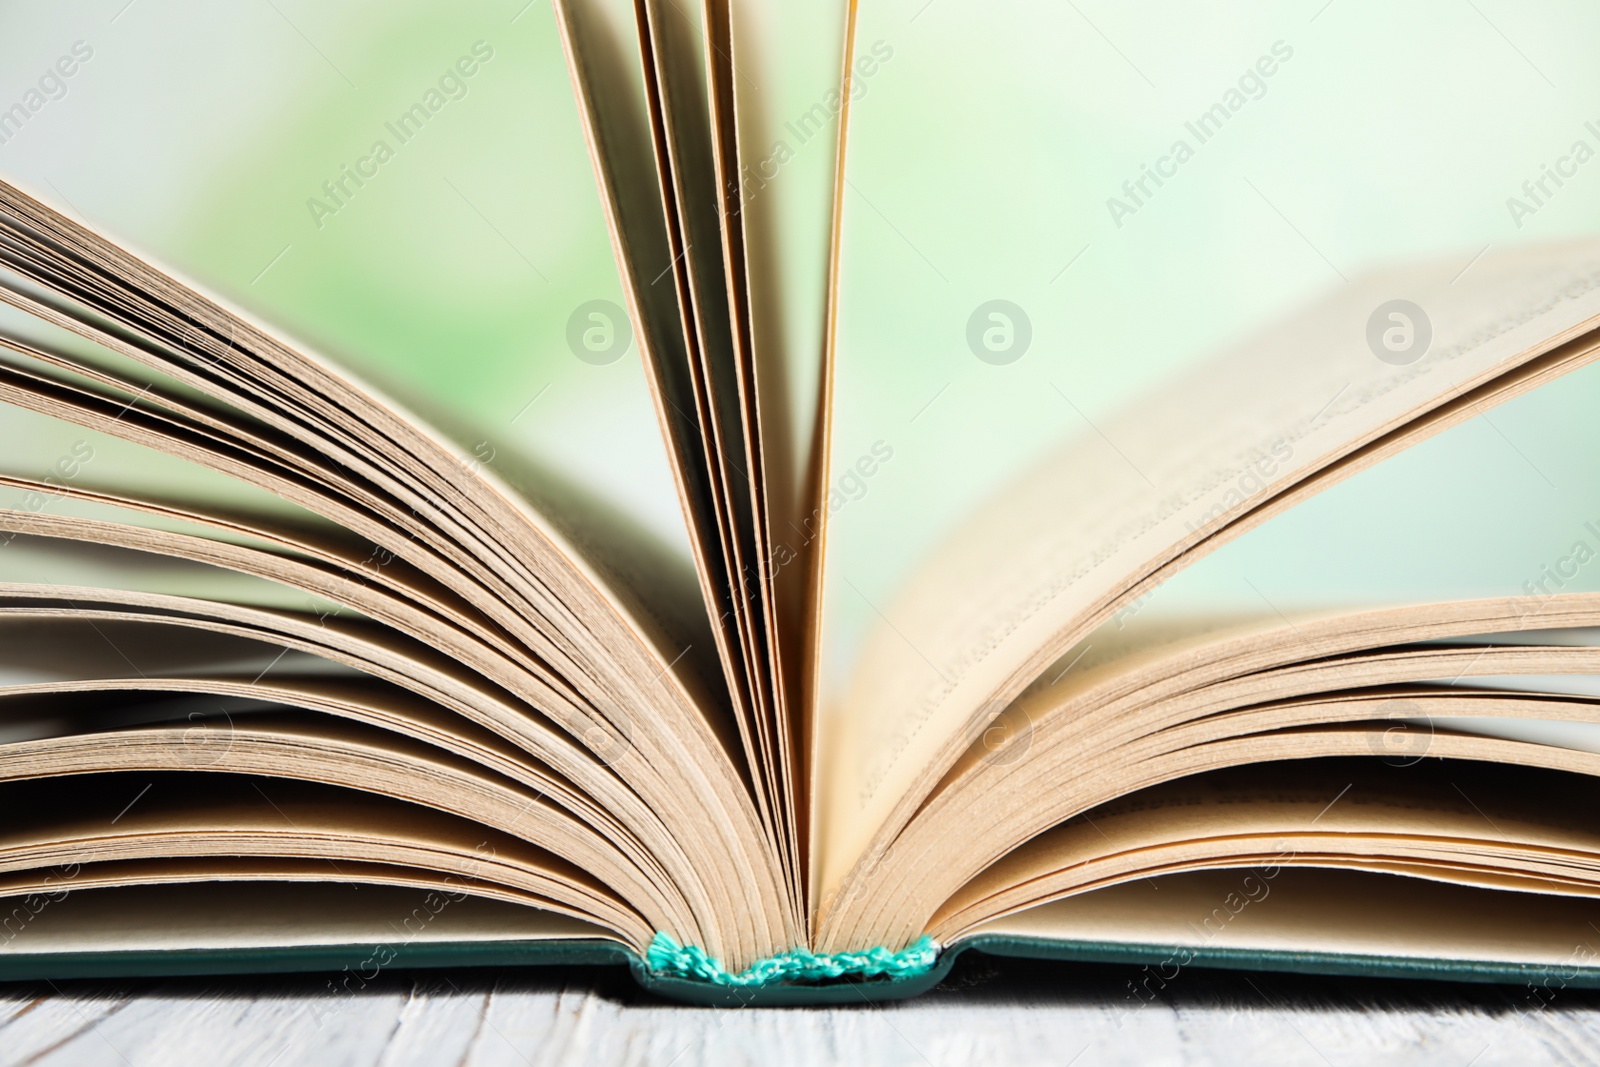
979	166
983	151
198	133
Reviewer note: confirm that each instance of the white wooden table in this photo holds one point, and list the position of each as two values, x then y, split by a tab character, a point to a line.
1011	1013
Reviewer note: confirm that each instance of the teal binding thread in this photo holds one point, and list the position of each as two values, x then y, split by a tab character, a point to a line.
669	959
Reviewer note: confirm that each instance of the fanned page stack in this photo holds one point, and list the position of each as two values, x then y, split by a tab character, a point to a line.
780	495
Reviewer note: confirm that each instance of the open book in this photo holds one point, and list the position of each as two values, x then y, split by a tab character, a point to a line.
301	671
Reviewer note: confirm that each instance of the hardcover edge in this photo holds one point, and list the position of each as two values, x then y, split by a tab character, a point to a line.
344	963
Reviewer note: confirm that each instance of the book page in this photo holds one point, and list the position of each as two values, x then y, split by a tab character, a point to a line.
1021	582
1108	292
784	63
476	312
1321	911
63	820
411	195
1447	820
550	628
266	913
790	94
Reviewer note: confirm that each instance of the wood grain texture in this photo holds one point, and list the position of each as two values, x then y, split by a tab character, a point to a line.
1008	1013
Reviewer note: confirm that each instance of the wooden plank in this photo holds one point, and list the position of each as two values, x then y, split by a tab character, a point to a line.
1007	1014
